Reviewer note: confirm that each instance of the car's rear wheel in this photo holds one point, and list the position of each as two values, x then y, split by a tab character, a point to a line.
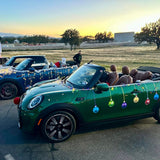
58	126
8	90
157	114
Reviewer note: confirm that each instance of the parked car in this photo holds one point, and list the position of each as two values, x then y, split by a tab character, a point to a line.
15	80
58	108
15	60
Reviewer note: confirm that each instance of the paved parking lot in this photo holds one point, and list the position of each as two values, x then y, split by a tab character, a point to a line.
136	140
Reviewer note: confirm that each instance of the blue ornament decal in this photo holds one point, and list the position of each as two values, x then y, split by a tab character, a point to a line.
95	109
156	96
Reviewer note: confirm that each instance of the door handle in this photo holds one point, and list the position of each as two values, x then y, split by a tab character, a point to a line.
135	92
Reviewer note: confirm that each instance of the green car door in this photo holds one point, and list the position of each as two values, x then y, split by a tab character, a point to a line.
120	101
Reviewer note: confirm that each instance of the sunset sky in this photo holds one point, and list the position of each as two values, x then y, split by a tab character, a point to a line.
53	17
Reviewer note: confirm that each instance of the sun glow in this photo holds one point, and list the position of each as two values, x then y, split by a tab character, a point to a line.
86	17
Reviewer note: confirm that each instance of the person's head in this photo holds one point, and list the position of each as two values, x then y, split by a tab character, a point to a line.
79	52
125	70
113	68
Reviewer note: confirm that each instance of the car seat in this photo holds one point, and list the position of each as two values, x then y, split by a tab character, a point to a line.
113	77
125	79
140	75
125	70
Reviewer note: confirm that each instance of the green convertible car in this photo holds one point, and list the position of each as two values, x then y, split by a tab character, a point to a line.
60	107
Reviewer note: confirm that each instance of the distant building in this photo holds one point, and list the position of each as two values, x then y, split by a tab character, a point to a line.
124	37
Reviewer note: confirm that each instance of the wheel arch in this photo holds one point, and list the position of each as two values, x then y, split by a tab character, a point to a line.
15	82
60	107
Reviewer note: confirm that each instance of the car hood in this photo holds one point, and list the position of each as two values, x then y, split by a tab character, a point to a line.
47	88
55	92
6	70
3	66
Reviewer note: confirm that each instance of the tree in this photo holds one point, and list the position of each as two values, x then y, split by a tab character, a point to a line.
99	37
104	37
110	36
87	38
149	33
72	37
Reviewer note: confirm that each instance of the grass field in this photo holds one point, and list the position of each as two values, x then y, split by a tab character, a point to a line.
133	56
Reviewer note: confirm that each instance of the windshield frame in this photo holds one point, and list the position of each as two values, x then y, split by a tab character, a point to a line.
71	83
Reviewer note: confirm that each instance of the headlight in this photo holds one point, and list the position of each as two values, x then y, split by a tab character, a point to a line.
35	102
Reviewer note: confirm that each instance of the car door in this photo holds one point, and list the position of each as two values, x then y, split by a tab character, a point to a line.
145	97
30	77
45	74
52	73
120	101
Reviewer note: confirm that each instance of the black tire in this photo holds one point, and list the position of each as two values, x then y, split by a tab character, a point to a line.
8	90
157	114
58	126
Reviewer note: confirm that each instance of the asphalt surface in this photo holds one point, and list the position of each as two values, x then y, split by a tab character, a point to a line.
136	140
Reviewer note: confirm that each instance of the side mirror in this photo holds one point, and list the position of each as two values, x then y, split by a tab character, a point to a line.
101	87
31	69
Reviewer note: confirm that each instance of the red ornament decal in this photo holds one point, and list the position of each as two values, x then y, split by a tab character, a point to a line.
147	102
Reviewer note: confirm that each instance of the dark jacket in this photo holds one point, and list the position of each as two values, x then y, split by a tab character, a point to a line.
77	58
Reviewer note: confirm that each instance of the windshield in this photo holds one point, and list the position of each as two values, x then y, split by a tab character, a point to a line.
83	77
25	65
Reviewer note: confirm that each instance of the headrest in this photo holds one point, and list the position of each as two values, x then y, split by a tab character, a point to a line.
133	72
125	70
113	68
148	75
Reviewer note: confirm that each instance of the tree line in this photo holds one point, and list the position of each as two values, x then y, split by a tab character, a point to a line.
35	39
149	33
70	36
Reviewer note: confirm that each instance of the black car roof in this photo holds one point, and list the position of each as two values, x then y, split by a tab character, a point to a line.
37	58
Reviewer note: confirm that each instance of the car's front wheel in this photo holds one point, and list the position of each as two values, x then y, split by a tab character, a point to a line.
58	126
8	90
